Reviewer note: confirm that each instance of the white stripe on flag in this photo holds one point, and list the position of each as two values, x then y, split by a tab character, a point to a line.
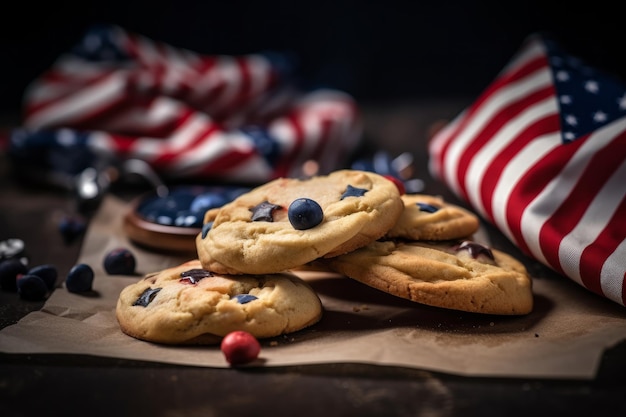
76	106
283	131
151	149
524	160
162	111
612	276
210	149
500	140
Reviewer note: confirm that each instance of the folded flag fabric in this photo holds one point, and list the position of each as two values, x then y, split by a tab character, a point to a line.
121	95
541	154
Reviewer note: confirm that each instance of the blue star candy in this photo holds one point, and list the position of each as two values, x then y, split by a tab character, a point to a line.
263	211
206	228
244	298
146	297
353	192
194	275
429	208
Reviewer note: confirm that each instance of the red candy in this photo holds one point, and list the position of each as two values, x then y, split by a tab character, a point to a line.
240	347
398	183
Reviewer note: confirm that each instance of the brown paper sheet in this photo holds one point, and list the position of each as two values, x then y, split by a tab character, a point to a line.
564	337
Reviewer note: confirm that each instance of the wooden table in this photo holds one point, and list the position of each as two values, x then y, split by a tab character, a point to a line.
76	385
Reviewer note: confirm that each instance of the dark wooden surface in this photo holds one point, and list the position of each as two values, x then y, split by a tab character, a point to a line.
65	385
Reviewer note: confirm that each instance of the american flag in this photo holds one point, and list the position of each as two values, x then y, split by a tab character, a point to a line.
541	154
234	118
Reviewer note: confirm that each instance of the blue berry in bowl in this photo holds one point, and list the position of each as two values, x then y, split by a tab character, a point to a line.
188	218
79	279
305	213
10	269
31	287
207	201
48	273
120	261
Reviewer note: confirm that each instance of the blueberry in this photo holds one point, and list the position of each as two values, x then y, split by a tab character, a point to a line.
9	271
188	218
120	261
305	213
71	228
79	279
31	287
48	273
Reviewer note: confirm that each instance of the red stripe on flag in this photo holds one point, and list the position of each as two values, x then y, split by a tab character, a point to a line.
499	162
490	129
167	154
594	256
531	183
228	161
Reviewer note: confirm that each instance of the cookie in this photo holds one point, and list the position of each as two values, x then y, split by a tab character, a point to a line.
186	305
288	222
466	276
427	217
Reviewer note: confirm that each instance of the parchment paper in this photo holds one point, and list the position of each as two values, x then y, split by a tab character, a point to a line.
564	336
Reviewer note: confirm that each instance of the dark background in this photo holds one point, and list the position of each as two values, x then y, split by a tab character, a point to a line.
375	50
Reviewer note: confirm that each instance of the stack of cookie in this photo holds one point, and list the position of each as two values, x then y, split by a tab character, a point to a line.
352	222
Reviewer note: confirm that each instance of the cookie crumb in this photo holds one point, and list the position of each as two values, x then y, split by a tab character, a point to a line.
273	343
356	309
